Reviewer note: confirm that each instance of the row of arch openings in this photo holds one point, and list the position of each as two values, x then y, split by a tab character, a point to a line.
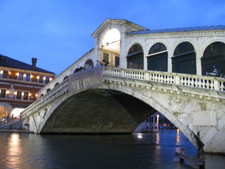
183	60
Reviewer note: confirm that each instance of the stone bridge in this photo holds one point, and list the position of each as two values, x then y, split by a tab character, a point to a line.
115	100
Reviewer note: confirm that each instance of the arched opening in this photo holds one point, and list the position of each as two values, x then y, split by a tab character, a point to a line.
184	59
135	57
214	59
57	84
88	64
110	48
48	90
158	57
66	77
3	112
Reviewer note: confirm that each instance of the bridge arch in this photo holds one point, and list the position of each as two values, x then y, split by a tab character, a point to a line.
150	105
157	58
184	58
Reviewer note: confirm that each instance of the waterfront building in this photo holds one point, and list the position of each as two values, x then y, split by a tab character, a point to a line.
155	122
19	85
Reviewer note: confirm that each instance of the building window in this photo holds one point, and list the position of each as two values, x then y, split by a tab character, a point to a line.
28	77
135	57
106	57
18	95
20	76
41	79
3	93
26	94
5	74
47	80
117	61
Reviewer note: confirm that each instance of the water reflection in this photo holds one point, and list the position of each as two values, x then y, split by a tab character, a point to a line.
177	137
14	151
141	150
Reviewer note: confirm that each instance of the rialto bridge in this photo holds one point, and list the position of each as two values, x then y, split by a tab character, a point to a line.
147	71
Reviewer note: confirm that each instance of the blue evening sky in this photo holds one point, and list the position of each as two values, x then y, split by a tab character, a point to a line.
58	32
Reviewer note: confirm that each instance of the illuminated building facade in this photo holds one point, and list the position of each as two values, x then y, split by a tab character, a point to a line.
19	84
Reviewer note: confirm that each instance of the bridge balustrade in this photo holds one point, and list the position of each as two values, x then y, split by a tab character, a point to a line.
47	98
195	81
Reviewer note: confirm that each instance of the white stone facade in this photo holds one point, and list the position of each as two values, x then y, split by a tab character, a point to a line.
200	39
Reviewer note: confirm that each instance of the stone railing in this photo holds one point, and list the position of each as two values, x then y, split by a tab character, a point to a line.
195	81
46	99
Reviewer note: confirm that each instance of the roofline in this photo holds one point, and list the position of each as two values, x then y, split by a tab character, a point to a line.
175	30
104	24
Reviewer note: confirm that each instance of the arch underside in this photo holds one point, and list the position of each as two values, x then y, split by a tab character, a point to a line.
98	111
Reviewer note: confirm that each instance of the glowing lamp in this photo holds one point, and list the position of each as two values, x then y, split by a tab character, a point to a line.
38	77
1	72
50	79
7	91
29	94
17	74
44	78
24	75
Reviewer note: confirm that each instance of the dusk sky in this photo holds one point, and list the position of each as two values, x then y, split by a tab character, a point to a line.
58	32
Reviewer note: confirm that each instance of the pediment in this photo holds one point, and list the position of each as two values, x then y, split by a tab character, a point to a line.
130	26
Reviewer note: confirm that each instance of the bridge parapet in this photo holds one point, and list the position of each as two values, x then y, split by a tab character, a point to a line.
188	80
46	99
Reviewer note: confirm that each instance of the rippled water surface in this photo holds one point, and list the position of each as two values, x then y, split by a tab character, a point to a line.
137	151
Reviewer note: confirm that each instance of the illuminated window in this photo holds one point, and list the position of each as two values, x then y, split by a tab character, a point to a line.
41	79
20	76
28	77
26	94
18	95
106	57
3	93
47	80
5	74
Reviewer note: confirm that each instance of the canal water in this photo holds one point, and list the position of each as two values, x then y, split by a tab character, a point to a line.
137	151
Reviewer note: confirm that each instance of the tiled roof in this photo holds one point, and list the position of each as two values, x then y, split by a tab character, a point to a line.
186	29
9	62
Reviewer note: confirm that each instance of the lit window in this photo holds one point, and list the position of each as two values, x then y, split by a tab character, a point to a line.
26	94
5	74
3	93
41	79
18	94
47	80
20	76
28	77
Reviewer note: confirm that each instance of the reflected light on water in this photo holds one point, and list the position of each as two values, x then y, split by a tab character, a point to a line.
178	137
14	151
139	136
